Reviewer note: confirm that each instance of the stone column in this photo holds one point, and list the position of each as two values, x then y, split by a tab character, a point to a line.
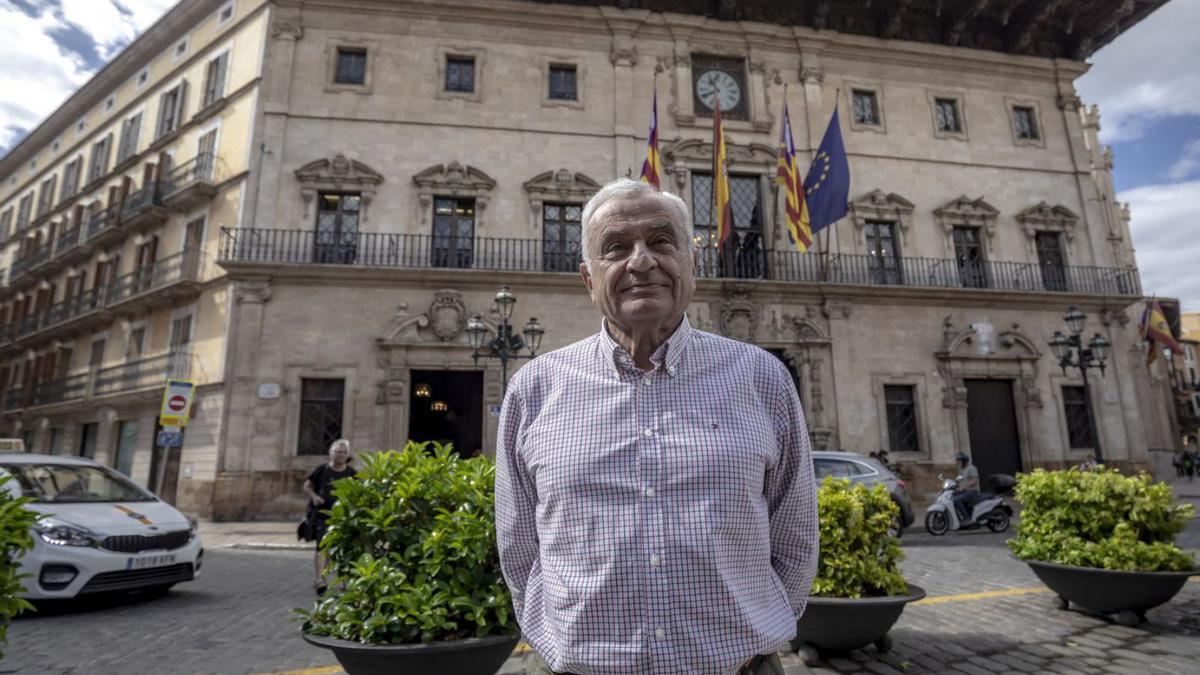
838	313
245	332
630	106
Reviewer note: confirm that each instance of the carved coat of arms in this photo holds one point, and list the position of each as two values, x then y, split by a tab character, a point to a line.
447	315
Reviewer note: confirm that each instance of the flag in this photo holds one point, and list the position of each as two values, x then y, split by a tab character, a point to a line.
652	167
795	208
827	185
722	211
1156	331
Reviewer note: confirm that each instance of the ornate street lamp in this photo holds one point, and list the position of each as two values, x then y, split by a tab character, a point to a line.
507	345
1072	353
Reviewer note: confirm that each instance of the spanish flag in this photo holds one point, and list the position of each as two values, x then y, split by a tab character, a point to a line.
1156	331
652	167
796	208
722	211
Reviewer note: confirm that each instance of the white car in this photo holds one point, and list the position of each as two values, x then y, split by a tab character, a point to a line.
98	530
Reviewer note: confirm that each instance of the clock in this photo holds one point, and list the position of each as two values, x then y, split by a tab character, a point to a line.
713	85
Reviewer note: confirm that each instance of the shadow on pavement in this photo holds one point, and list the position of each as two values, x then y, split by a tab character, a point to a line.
106	601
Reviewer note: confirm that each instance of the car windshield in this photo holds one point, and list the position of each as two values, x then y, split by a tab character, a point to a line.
70	483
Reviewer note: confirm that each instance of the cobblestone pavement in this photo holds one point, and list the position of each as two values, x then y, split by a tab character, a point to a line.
236	619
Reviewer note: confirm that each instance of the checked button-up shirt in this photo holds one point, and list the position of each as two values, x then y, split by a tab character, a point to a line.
660	521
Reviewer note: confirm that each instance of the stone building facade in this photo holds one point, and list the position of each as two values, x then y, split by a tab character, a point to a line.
398	163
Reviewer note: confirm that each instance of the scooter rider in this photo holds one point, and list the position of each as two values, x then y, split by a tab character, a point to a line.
968	485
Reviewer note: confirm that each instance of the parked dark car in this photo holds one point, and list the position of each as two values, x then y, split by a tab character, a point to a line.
862	469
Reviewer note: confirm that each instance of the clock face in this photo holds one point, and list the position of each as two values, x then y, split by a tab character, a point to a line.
716	85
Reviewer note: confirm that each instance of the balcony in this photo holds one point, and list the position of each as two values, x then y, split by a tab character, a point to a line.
190	184
135	377
6	334
305	247
67	249
33	261
103	227
143	208
79	313
164	282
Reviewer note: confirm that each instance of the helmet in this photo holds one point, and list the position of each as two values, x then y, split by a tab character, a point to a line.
961	457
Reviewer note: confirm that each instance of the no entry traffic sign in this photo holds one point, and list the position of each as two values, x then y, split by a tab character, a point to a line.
177	401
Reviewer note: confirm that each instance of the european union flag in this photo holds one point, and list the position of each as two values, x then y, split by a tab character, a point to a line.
827	185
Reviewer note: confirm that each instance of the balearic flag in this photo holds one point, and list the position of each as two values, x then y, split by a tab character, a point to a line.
1156	331
722	211
795	207
652	167
827	185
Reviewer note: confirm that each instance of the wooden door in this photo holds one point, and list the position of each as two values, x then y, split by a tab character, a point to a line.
992	424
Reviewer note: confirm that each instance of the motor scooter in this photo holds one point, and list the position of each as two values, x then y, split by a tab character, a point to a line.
989	510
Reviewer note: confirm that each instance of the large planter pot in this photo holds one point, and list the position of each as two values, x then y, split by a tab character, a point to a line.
473	656
1127	594
842	624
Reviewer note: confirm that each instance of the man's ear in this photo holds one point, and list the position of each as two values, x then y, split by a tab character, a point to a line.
586	274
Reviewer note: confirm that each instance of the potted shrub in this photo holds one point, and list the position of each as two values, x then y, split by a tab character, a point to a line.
416	585
858	594
15	540
1103	541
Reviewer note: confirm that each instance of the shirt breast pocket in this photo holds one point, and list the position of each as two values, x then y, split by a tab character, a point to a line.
730	440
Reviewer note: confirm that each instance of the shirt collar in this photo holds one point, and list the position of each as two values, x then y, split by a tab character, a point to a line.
666	357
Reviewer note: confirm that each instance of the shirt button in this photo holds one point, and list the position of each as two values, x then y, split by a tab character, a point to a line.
655	561
647	381
660	633
647	432
650	492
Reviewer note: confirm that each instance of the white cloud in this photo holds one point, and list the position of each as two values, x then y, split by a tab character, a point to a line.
39	73
1147	73
1165	240
1188	162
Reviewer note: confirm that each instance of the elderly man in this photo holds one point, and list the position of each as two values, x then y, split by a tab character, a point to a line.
655	503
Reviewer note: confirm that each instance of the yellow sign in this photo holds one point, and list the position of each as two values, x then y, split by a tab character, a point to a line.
177	403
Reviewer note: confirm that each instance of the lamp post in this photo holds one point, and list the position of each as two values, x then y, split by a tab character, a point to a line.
507	345
1071	352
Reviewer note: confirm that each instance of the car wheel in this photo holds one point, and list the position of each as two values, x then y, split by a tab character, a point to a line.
937	522
997	521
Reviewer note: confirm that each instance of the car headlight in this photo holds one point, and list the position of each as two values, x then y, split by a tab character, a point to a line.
193	527
61	533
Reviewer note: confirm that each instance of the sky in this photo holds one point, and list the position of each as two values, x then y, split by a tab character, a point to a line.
1146	82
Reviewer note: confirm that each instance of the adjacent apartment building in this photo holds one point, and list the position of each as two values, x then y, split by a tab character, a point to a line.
298	205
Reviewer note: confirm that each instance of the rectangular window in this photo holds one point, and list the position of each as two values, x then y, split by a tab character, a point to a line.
884	260
866	107
126	445
100	152
453	232
460	73
214	79
1052	261
743	257
351	66
1080	432
948	118
6	224
901	404
46	195
136	343
96	357
71	175
321	403
968	251
131	130
87	439
563	86
1026	123
24	211
561	237
170	110
336	239
181	333
225	14
206	152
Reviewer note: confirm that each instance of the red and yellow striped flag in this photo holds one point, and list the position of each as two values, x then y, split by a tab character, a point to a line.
722	211
795	209
1156	331
652	167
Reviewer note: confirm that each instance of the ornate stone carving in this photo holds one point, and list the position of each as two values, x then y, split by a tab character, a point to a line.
1043	216
251	292
286	30
812	74
699	153
738	314
457	180
337	174
878	205
561	184
447	315
967	211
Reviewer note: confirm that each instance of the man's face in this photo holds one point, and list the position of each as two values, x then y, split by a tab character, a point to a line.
642	274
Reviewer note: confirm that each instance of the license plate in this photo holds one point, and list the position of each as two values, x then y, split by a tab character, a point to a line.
150	561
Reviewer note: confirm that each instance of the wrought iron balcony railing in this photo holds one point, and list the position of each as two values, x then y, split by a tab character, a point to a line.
143	374
67	240
34	259
306	247
196	170
103	220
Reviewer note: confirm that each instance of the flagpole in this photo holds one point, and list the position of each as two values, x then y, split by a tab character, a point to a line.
825	249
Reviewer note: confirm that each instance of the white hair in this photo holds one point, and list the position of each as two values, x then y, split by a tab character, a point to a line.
340	441
627	188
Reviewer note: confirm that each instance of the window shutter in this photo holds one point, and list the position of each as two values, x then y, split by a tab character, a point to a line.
165	114
180	101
